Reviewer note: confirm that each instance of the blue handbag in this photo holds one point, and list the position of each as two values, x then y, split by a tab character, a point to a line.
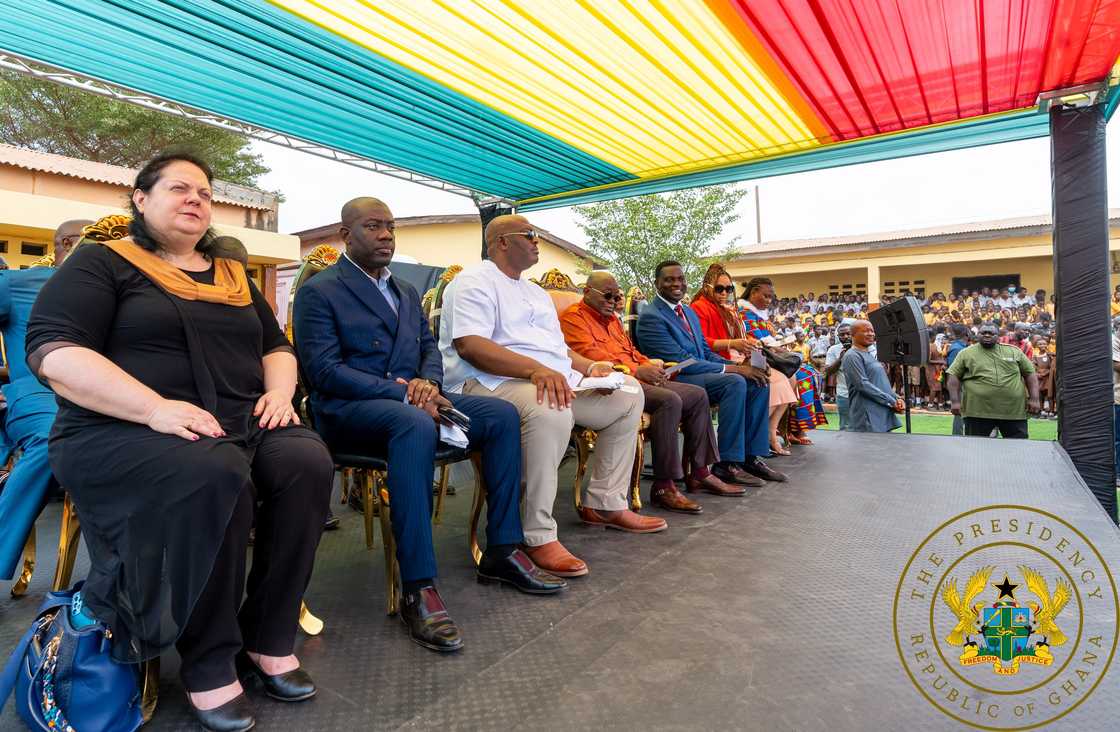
64	679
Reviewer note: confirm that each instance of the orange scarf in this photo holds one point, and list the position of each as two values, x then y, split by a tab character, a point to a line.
231	286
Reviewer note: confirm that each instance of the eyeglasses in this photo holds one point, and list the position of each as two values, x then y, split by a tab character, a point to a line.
615	295
531	235
721	289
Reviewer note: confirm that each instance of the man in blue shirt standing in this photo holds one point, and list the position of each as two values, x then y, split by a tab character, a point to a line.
30	405
960	342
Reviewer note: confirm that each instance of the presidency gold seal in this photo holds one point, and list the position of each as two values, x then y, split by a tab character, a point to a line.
1006	618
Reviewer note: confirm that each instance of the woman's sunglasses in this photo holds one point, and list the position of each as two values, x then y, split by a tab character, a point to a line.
723	289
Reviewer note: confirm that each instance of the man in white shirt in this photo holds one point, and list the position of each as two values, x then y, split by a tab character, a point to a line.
500	336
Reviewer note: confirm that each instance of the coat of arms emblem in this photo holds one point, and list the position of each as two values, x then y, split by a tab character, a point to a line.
1005	628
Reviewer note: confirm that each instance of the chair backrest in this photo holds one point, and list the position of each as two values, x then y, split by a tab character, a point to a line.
317	260
560	288
634	299
433	299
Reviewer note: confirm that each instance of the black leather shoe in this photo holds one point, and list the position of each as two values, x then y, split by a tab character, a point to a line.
428	623
732	473
332	521
759	469
290	686
518	570
236	715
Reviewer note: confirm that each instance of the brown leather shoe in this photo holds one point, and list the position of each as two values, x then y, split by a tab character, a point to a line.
713	485
625	520
732	473
671	499
555	559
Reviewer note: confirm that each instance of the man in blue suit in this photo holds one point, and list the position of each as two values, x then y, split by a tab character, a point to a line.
30	405
670	331
375	377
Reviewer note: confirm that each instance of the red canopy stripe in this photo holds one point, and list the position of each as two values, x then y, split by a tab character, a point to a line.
873	66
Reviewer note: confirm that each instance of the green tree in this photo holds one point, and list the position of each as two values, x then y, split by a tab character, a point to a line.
53	118
633	234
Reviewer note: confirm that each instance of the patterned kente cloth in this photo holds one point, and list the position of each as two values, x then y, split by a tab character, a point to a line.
810	410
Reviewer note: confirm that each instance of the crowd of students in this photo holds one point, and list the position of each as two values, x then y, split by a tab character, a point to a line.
1023	319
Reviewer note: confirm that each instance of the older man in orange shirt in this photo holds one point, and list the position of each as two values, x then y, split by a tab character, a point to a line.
592	330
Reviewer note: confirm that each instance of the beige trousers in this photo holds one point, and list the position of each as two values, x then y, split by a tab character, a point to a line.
544	438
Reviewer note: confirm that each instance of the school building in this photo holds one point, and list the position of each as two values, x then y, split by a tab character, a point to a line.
38	191
1014	252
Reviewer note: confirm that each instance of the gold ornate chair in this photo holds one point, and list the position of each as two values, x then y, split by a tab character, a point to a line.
368	475
564	294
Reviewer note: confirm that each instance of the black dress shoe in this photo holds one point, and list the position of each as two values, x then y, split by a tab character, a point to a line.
236	715
428	623
290	686
332	521
518	570
732	473
759	469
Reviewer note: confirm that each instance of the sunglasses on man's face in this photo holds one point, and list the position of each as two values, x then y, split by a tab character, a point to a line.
723	289
531	235
615	295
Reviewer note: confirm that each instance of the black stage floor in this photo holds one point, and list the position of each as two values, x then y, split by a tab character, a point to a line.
772	612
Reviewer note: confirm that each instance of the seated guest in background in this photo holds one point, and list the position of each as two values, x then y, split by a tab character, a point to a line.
592	330
872	404
500	336
671	332
375	376
806	383
175	418
31	406
991	376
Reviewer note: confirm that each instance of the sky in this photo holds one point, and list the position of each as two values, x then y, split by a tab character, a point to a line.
978	184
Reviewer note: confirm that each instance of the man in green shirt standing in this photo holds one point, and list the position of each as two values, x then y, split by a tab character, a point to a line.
991	375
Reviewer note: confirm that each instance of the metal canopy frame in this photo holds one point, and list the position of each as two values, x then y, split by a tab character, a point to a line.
102	88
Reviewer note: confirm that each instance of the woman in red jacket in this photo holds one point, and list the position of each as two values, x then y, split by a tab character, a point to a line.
726	334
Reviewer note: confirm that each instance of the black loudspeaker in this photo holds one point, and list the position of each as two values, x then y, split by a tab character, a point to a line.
900	332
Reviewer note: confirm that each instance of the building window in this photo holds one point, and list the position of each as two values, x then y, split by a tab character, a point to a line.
3	246
32	250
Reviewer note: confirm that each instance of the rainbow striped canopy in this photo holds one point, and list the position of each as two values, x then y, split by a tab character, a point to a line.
553	102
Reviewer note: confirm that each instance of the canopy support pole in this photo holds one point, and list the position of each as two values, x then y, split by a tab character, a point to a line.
1081	287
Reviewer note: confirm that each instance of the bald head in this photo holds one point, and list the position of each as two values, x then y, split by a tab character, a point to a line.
511	243
500	226
66	236
863	333
356	208
369	230
601	279
602	293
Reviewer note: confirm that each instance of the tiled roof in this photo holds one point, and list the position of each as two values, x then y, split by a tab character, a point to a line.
329	230
117	175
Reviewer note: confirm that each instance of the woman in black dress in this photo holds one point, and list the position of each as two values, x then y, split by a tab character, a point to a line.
175	419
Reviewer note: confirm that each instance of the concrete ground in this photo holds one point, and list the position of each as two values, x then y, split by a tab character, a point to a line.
770	612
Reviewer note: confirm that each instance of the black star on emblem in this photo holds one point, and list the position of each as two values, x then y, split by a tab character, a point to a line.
1006	588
